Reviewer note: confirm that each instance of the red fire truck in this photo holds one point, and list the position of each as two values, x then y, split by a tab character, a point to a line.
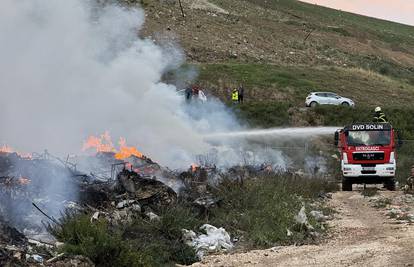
367	154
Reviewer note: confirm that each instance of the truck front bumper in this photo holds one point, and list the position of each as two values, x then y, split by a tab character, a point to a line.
380	170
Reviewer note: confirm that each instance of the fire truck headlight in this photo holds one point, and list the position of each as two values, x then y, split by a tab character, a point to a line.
345	158
392	157
346	169
390	168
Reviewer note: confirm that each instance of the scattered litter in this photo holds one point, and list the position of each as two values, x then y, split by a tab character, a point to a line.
319	216
275	249
35	258
394	212
95	216
152	216
57	257
206	201
302	219
215	240
324	195
136	207
124	203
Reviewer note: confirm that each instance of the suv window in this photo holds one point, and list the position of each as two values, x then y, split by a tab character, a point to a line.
331	95
321	94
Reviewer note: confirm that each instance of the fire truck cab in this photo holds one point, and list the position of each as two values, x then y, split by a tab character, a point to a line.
367	154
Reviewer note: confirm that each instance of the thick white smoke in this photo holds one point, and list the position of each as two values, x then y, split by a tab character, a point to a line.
69	69
73	68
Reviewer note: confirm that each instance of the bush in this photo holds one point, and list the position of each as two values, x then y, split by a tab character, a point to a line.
261	210
96	241
142	243
265	114
340	116
161	240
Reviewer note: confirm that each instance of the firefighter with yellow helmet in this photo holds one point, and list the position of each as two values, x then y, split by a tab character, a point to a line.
379	116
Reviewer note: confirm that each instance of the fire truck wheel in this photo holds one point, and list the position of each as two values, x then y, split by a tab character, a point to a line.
346	184
390	184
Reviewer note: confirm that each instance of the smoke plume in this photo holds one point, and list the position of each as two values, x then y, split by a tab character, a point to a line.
70	69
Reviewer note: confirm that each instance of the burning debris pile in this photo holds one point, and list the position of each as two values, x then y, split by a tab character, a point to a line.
36	190
31	185
39	193
114	185
38	179
128	196
12	244
121	185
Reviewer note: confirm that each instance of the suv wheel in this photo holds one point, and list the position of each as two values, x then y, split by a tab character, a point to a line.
313	104
345	104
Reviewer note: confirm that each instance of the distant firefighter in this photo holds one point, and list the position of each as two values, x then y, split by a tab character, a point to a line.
379	116
235	95
194	93
240	91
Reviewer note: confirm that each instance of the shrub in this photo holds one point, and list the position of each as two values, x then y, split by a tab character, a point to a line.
161	240
261	210
96	241
266	114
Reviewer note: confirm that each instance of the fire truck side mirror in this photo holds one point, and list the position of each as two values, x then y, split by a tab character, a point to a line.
336	139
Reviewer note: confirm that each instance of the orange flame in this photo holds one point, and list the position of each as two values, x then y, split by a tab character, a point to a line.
23	180
194	167
103	143
6	149
127	151
9	149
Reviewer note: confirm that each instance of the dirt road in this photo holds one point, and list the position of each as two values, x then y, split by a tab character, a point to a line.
361	235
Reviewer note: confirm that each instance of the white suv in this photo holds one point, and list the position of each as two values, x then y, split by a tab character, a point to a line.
327	98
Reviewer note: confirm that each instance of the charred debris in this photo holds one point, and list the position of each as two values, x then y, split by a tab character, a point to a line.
36	191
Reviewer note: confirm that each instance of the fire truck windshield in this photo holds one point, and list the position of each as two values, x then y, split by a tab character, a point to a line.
368	138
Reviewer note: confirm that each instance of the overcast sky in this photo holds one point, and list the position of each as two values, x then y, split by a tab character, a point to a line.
395	10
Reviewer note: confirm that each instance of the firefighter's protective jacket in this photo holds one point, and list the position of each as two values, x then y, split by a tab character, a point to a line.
380	117
235	95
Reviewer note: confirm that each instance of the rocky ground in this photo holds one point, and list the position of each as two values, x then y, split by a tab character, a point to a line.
366	231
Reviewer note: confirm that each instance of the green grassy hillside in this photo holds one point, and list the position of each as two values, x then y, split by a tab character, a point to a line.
283	49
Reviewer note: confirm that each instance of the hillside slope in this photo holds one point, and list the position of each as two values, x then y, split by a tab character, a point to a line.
283	32
283	49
